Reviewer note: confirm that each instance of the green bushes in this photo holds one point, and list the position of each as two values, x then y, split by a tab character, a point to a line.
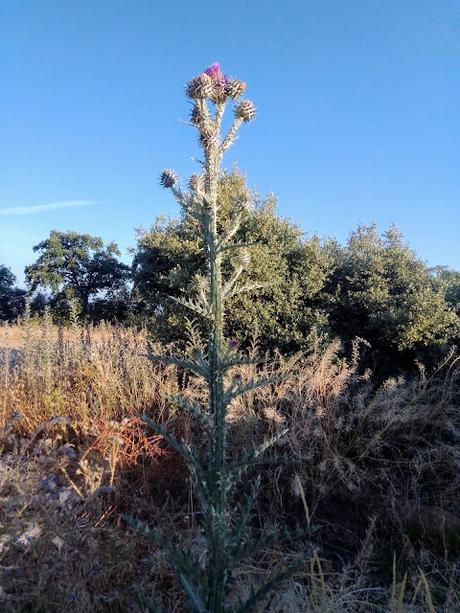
375	287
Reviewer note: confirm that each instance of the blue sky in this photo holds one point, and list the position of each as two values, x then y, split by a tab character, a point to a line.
358	113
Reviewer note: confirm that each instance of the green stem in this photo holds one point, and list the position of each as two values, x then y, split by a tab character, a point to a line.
218	518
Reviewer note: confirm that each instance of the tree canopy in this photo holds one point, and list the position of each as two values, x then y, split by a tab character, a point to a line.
374	287
78	266
11	297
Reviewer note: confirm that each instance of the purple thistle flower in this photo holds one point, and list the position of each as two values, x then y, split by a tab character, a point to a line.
214	70
234	343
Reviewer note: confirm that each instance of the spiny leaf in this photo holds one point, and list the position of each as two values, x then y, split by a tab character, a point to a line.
233	246
182	448
235	223
232	362
227	289
256	456
194	409
179	558
237	389
192	305
245	514
194	597
200	368
198	474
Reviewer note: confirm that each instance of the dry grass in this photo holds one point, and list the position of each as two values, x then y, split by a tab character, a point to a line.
372	476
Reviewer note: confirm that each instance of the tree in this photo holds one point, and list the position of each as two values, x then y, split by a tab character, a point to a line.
381	291
450	280
11	297
78	266
288	270
375	287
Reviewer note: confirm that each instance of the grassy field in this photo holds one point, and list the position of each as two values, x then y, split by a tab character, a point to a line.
369	473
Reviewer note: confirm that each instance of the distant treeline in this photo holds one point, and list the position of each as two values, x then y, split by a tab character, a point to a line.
303	290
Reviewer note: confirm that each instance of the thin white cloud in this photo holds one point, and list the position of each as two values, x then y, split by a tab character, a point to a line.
41	208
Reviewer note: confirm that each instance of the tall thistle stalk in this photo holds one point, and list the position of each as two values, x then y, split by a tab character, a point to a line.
216	476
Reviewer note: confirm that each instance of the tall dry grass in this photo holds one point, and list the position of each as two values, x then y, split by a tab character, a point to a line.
84	373
372	474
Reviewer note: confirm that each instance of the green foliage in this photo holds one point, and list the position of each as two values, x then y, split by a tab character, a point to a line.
11	297
381	291
288	270
79	266
374	287
450	280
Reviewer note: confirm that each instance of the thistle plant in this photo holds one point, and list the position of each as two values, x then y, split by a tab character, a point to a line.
216	475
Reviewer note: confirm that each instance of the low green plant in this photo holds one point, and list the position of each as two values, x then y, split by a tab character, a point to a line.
215	476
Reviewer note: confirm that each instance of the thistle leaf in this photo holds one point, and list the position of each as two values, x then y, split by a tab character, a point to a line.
232	246
228	287
199	367
245	515
237	389
255	456
194	597
194	409
235	224
192	305
198	474
182	448
179	558
232	362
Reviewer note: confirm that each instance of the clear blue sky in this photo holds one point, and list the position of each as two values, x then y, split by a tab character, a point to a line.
358	113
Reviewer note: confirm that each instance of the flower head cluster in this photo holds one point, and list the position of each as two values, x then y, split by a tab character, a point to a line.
213	84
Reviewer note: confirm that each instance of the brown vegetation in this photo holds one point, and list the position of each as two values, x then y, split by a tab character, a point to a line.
371	475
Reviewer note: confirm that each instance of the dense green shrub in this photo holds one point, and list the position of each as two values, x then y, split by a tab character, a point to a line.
291	271
374	287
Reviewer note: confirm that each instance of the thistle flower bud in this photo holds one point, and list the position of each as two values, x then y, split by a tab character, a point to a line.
200	87
244	258
213	71
234	88
168	178
245	110
195	183
208	137
195	116
219	93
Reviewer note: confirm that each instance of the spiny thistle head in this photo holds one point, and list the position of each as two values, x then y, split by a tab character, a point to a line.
200	87
244	258
208	137
195	115
195	183
219	93
219	80
234	88
168	178
245	110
